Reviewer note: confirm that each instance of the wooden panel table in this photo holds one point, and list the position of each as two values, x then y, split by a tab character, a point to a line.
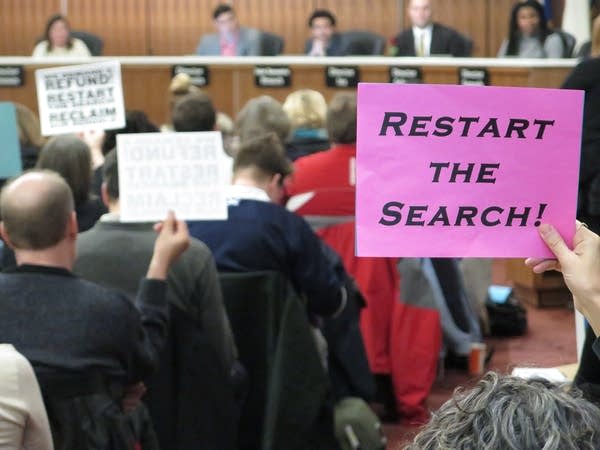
232	80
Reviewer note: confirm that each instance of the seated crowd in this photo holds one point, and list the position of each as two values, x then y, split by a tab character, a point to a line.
118	335
529	36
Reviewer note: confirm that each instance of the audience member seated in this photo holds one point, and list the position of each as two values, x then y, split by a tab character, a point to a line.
324	40
190	399
528	34
231	39
426	38
259	234
180	86
503	412
224	124
591	48
23	419
307	111
85	343
70	157
30	135
58	41
262	115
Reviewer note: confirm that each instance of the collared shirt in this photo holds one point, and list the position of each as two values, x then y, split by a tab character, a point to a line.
237	192
229	44
422	38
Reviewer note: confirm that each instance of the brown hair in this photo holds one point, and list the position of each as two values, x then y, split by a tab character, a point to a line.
595	51
194	112
51	21
265	154
341	118
70	157
36	222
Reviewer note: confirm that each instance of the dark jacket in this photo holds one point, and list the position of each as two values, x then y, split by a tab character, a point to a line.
444	41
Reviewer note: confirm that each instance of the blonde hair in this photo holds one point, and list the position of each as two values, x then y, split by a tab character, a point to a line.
181	85
595	51
29	127
306	108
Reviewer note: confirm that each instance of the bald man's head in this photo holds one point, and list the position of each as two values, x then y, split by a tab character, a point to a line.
35	209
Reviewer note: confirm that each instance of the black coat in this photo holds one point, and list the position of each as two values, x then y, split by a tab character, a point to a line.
444	41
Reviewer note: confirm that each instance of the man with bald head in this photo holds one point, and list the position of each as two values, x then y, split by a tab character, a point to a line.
83	340
426	38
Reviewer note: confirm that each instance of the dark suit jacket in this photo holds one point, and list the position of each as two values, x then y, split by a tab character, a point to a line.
335	47
444	41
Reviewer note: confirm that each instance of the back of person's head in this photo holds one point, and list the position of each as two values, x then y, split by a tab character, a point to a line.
306	108
30	133
53	21
266	155
222	9
35	209
322	13
262	115
110	174
180	86
194	112
341	118
503	412
135	122
595	50
70	157
224	124
514	33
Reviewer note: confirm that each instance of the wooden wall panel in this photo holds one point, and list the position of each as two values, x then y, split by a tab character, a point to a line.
121	24
173	27
22	22
176	25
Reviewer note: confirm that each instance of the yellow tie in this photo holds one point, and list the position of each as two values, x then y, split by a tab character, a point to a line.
421	48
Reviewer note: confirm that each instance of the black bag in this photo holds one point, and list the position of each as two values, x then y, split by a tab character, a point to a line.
508	318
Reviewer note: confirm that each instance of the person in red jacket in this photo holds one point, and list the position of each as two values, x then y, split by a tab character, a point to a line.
322	190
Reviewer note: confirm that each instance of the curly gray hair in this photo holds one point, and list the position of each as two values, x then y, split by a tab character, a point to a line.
504	412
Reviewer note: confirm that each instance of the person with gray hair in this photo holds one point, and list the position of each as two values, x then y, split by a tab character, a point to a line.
504	412
262	115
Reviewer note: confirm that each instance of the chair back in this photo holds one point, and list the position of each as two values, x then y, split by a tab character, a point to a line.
271	44
93	42
287	384
358	42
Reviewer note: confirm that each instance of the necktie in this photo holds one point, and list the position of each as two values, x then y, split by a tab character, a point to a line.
421	46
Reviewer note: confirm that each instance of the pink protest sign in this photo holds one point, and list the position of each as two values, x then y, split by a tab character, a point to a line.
465	170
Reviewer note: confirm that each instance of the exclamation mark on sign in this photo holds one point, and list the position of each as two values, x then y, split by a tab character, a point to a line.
540	214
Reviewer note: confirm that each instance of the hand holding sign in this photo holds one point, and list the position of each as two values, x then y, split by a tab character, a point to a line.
580	268
464	170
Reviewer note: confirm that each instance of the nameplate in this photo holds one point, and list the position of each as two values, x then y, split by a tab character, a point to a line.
342	76
473	76
272	76
199	75
12	76
401	75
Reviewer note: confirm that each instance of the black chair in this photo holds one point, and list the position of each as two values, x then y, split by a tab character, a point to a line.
92	41
357	42
271	44
287	400
568	41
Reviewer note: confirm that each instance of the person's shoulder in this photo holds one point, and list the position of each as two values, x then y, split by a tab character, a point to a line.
438	27
403	35
197	251
40	49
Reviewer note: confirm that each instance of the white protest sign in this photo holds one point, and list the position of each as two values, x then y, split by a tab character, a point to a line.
183	172
82	97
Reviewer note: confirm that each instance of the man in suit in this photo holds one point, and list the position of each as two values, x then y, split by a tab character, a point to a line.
231	39
324	40
426	38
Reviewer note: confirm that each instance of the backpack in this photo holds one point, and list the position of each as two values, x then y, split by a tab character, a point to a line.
506	314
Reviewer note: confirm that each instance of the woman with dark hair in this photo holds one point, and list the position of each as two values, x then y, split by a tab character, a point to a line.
59	42
528	34
70	157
